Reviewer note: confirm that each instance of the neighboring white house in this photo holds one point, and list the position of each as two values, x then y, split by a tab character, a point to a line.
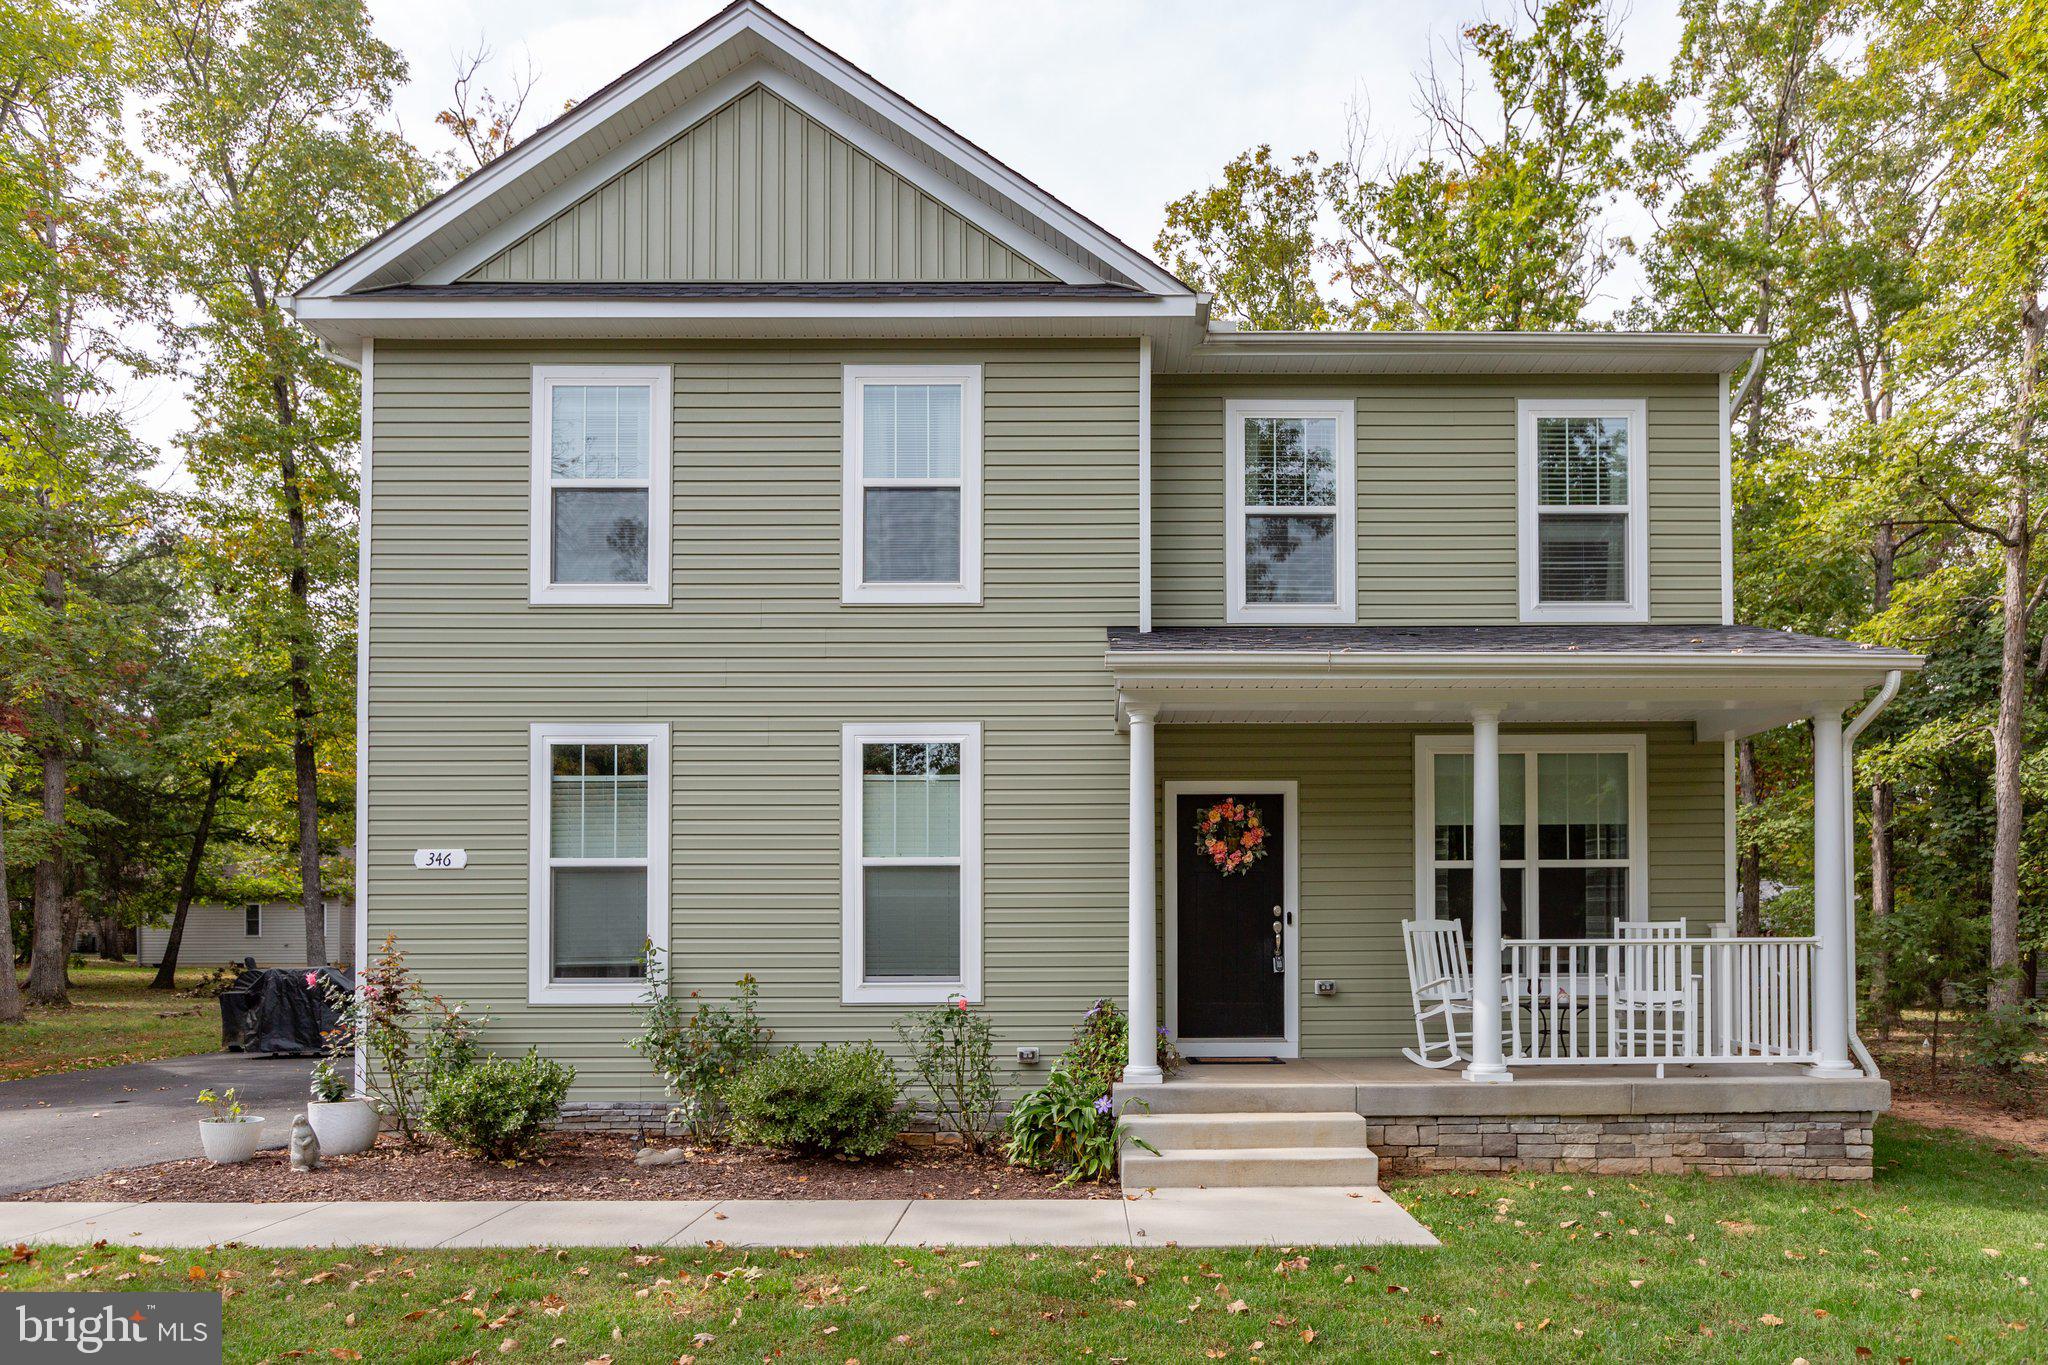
272	932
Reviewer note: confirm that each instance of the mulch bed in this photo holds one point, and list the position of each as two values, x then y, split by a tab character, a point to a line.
581	1166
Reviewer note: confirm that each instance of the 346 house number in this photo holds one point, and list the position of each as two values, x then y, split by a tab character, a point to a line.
438	859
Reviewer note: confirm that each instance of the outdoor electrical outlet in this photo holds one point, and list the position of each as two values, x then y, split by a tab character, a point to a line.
1027	1056
1324	987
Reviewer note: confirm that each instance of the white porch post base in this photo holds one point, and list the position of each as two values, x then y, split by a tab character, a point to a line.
1141	1065
1830	902
1486	1066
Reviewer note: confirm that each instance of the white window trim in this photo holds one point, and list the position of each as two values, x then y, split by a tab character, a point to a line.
541	988
853	590
1635	746
1636	608
1344	611
855	989
541	589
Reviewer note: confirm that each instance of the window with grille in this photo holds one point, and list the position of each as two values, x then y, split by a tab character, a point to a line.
1583	533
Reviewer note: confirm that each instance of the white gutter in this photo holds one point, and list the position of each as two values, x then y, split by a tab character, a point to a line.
1854	728
1266	663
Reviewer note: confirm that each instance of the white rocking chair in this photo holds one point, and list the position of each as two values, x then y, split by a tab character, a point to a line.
1655	1011
1440	987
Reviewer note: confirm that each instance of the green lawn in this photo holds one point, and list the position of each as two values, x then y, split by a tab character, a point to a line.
114	1017
1934	1262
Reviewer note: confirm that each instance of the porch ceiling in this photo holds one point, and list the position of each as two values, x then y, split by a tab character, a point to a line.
1726	681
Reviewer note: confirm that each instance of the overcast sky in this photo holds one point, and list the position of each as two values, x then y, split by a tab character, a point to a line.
1115	106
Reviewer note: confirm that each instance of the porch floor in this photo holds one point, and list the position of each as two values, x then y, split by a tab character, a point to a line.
1375	1086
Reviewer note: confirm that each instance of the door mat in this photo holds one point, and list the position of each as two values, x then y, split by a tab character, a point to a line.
1234	1061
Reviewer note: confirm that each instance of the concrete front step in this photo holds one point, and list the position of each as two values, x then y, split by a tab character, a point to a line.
1232	1097
1209	1131
1246	1167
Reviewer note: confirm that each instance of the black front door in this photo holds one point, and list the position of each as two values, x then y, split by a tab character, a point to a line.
1233	983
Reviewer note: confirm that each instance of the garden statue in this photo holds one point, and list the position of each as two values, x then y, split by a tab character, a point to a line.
305	1147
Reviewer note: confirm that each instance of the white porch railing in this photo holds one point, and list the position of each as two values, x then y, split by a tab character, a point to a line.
1635	1000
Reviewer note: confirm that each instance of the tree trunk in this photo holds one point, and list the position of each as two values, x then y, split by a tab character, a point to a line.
1749	915
12	1010
2006	751
107	929
48	953
166	978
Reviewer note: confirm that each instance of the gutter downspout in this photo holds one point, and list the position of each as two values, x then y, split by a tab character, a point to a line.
1855	727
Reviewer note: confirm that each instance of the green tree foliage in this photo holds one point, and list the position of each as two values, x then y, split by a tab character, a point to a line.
1251	241
272	116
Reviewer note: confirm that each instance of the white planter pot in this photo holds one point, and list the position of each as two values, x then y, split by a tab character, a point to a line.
226	1141
344	1127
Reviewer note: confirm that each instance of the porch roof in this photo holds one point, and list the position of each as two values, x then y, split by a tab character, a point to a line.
1726	681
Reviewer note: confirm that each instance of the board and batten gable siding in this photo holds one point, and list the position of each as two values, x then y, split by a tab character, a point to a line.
1356	822
756	666
757	191
1436	493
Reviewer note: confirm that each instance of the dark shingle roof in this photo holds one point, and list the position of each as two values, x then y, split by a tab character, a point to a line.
1524	639
686	290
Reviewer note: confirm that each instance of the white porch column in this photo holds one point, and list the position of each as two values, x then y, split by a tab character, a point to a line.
1142	1066
1486	1064
1830	900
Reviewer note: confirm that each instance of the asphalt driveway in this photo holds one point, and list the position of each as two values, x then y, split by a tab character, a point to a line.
81	1123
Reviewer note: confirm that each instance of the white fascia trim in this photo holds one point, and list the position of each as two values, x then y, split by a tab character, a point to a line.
541	989
853	591
541	590
1237	611
1267	662
854	989
367	369
1636	608
1634	744
708	102
373	309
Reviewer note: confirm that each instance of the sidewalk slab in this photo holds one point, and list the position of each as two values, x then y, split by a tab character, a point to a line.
585	1223
19	1222
1013	1222
1308	1215
381	1223
179	1224
796	1223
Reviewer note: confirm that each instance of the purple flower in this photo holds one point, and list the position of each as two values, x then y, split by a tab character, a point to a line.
1102	1106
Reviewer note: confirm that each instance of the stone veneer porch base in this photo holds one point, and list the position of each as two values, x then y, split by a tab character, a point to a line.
1809	1146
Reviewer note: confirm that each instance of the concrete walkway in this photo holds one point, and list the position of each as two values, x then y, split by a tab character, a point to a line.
1335	1216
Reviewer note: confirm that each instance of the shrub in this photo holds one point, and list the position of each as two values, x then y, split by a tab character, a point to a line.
697	1050
1101	1046
838	1100
954	1053
413	1038
1068	1124
2003	1043
496	1109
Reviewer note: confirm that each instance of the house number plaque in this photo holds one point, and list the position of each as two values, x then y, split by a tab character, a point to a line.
439	859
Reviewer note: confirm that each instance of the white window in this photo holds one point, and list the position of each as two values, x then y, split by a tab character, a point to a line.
911	796
252	921
1574	870
912	512
1585	531
1291	540
599	890
601	439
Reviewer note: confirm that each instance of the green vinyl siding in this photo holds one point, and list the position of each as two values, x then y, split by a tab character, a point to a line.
1436	494
1356	822
756	665
757	191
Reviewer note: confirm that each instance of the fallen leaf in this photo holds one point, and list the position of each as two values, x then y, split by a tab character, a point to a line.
1771	1320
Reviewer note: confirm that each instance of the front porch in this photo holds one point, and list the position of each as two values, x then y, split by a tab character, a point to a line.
1729	1119
1553	808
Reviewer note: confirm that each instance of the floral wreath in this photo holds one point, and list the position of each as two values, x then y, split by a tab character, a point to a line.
1232	833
